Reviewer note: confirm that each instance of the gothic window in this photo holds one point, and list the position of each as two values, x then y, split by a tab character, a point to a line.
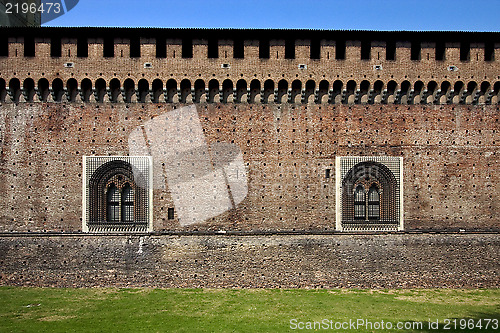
359	203
127	203
117	194
120	203
373	203
366	209
369	193
113	203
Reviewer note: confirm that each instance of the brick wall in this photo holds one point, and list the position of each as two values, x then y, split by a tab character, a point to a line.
442	120
450	158
469	73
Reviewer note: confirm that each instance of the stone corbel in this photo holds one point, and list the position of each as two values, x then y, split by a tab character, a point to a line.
316	97
193	95
138	96
371	96
179	96
475	99
108	96
303	96
25	93
384	97
331	97
489	96
66	93
51	95
80	92
290	96
176	96
344	97
397	96
203	96
165	96
357	96
95	93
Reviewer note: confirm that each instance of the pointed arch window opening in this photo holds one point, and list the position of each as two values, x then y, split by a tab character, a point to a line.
367	203
127	203
121	199
117	194
359	203
113	203
369	193
119	202
373	203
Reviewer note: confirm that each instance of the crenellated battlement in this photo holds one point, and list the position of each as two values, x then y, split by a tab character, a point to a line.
254	66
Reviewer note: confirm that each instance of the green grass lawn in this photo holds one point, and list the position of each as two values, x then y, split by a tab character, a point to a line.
230	310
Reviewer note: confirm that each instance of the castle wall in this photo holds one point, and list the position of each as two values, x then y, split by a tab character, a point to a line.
450	158
291	101
257	261
467	71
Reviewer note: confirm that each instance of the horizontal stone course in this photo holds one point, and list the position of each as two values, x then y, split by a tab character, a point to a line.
258	261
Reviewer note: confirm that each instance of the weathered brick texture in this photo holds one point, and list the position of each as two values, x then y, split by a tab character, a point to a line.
450	161
291	110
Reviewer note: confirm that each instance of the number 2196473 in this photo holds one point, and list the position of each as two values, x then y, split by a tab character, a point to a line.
24	7
470	324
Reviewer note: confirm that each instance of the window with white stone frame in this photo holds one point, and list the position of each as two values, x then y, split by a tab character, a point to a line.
369	193
117	194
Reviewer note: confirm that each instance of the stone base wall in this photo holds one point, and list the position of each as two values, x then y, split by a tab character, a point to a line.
402	260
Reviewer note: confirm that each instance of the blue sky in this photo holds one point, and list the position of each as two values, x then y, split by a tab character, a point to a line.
457	15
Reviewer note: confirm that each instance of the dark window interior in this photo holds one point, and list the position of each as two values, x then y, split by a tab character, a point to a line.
213	48
290	49
415	50
4	46
440	51
489	52
135	47
315	49
365	49
238	49
340	50
109	47
29	46
390	50
170	213
82	47
161	47
264	50
464	51
187	48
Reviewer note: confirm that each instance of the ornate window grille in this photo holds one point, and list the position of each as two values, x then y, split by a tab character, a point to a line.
117	194
369	193
127	202
359	203
373	203
113	203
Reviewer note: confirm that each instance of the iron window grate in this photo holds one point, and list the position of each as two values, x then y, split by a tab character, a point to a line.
381	212
129	208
